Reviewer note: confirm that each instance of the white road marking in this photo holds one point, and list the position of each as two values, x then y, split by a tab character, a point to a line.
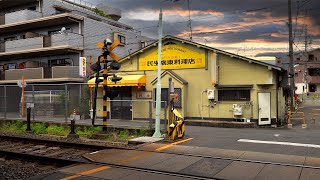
94	152
276	135
279	143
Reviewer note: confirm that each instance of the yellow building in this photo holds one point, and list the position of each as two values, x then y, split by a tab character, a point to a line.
211	84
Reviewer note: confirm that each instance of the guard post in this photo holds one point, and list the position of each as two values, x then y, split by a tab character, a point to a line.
72	133
29	106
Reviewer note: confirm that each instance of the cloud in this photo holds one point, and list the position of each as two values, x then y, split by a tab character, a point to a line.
257	25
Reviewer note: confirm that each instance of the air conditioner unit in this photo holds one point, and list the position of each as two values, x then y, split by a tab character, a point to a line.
210	94
237	111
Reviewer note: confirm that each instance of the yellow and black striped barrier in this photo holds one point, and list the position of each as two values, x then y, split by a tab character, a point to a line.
302	118
176	129
314	113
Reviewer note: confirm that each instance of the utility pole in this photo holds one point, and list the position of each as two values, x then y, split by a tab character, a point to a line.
291	71
190	22
157	132
306	59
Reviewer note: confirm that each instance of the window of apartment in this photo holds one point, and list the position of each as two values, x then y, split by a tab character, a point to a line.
122	39
165	97
234	95
57	31
311	57
10	38
59	62
32	8
314	72
298	59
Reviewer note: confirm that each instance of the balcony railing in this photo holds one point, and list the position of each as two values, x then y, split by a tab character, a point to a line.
24	44
2	20
2	47
315	80
31	73
41	73
19	16
67	39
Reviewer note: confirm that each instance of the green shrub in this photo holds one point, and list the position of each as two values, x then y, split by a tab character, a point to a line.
57	130
39	128
101	12
142	131
124	134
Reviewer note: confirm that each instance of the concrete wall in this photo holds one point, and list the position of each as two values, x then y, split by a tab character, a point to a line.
95	31
22	15
24	44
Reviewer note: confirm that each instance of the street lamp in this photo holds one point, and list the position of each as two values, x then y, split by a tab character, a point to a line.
157	132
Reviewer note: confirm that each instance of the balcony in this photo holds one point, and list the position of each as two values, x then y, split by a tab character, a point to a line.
42	74
41	22
56	44
22	15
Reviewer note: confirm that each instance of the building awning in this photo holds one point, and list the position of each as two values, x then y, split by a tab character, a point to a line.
127	80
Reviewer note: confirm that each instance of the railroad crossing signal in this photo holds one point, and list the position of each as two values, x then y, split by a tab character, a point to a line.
102	46
115	65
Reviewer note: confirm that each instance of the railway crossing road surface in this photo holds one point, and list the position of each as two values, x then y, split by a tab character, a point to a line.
176	161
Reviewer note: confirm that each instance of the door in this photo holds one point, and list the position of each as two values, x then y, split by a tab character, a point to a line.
121	106
264	108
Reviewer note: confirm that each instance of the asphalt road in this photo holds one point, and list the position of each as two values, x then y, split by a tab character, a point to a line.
228	139
225	138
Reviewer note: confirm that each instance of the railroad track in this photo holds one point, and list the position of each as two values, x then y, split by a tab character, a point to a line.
58	152
63	153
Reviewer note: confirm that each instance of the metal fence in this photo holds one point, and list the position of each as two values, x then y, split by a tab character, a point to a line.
57	102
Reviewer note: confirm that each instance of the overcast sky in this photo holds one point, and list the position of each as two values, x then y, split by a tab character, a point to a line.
245	27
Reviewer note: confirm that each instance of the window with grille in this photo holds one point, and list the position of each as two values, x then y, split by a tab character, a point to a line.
122	39
165	97
234	95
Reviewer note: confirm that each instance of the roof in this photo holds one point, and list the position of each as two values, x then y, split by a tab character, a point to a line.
205	47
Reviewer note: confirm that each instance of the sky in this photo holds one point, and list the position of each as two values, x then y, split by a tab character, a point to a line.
254	28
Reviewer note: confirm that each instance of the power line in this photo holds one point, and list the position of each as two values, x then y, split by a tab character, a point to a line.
243	26
229	14
190	25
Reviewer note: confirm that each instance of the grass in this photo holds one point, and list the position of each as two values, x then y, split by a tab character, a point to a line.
58	130
16	126
86	132
39	128
125	135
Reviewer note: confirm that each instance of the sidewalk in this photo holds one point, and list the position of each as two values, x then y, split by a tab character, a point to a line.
194	161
